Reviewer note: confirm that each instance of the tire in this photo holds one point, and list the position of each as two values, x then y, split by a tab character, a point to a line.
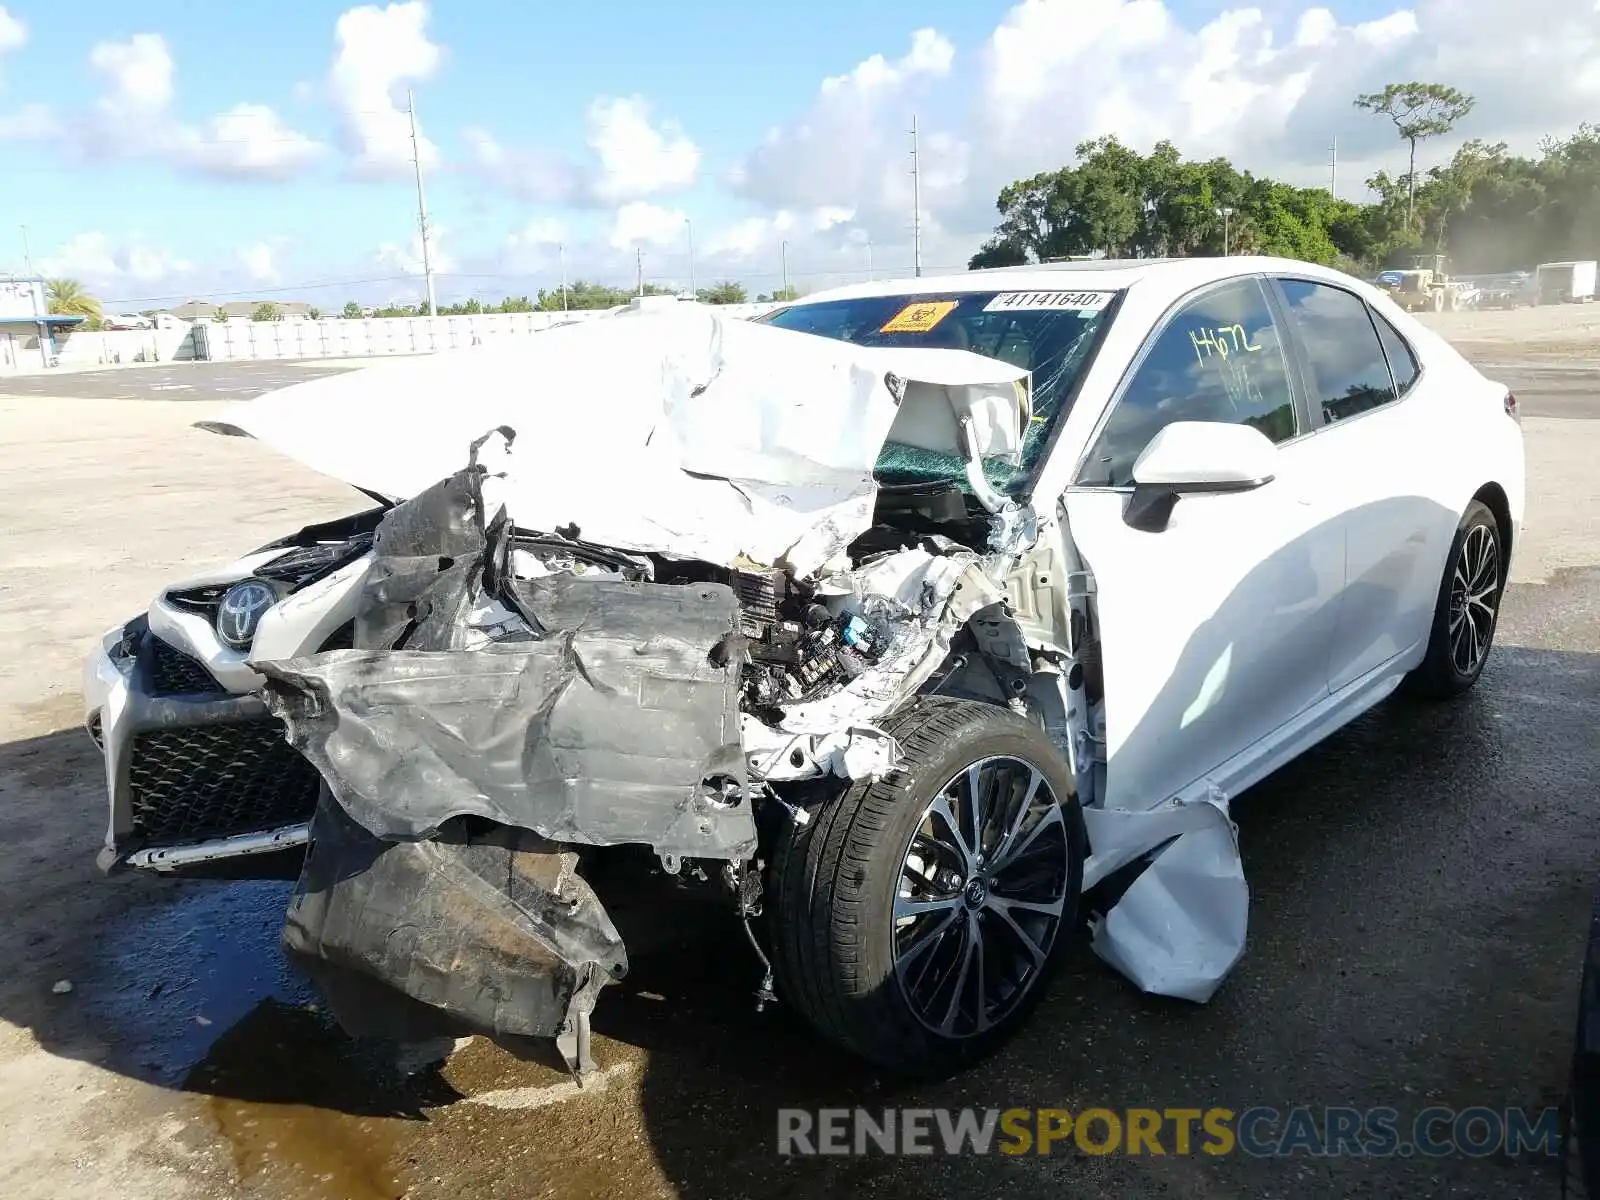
836	882
1447	669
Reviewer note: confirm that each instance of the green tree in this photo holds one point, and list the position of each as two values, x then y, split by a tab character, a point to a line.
726	292
314	313
998	252
69	298
1419	111
781	294
267	311
352	311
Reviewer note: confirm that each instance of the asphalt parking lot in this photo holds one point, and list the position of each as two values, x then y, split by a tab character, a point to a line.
1420	890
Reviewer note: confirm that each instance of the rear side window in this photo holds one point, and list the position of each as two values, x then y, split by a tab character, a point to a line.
1402	362
1217	359
1349	372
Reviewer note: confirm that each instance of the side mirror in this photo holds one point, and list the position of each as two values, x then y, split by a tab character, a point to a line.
1196	457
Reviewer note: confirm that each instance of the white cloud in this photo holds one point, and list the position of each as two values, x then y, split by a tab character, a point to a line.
529	174
259	263
407	258
637	158
133	118
379	51
644	224
13	33
104	265
851	148
633	158
139	71
1270	86
541	231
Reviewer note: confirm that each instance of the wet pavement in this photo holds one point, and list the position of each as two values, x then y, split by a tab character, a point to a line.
1421	885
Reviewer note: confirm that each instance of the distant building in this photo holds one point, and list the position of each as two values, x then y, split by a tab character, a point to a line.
28	330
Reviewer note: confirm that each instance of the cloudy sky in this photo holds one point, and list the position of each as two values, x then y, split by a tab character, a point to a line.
163	150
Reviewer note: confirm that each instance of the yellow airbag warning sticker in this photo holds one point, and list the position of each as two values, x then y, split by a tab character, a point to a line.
920	317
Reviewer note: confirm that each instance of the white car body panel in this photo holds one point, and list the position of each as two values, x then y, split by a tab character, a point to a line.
1215	629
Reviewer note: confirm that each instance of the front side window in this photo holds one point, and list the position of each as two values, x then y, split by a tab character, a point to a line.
1052	334
1349	372
1218	359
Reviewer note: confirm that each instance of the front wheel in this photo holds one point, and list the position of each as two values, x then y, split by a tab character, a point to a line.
1467	609
916	916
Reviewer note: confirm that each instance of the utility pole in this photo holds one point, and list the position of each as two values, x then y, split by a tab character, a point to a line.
422	203
1333	169
688	227
561	251
783	250
638	258
916	205
27	254
869	260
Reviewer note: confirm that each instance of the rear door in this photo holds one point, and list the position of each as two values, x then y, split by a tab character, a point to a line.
1215	631
1378	437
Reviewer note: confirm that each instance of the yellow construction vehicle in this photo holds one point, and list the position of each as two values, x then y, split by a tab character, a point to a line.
1426	287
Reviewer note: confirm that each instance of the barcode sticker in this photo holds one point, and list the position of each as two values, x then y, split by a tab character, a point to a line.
1070	301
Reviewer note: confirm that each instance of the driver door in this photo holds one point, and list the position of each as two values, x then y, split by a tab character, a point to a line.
1216	630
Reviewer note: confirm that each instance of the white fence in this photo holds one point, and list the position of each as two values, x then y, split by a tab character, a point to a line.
20	351
339	337
327	338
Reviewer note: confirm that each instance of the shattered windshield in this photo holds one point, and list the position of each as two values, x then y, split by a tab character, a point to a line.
1052	334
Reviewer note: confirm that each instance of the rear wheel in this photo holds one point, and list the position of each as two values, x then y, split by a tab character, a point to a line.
917	916
1467	609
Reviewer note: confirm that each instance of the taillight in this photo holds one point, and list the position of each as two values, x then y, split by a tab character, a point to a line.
1513	409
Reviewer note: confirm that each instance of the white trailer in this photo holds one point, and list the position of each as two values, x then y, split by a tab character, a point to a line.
1567	282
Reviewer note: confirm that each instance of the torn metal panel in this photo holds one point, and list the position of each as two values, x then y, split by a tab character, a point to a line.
1179	927
749	440
490	928
600	733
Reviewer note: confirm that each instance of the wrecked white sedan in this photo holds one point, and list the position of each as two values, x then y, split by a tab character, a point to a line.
931	621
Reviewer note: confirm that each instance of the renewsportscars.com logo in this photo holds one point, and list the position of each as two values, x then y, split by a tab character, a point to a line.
1260	1132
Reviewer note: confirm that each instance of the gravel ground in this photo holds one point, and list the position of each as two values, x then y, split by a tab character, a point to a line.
1420	884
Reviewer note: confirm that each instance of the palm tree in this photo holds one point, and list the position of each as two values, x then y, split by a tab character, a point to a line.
70	298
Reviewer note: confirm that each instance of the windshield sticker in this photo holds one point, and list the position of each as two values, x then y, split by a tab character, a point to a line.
920	317
1070	301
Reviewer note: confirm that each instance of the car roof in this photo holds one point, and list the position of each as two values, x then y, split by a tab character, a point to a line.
1177	275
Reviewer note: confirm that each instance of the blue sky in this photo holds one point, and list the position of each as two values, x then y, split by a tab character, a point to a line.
628	128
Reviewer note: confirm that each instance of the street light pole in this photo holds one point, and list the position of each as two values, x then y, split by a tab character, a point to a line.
688	226
422	202
784	251
1225	213
869	260
561	252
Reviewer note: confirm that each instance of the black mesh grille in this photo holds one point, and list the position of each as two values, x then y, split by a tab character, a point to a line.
174	673
208	781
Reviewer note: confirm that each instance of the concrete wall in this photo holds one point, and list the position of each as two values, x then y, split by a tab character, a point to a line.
20	351
337	337
328	338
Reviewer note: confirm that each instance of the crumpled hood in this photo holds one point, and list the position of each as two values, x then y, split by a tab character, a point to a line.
682	432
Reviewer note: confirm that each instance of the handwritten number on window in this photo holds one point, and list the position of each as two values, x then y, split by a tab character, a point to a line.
1221	342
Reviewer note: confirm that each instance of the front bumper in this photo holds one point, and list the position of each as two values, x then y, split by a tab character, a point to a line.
194	773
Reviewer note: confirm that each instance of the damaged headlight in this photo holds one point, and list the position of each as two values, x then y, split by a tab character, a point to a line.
241	610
